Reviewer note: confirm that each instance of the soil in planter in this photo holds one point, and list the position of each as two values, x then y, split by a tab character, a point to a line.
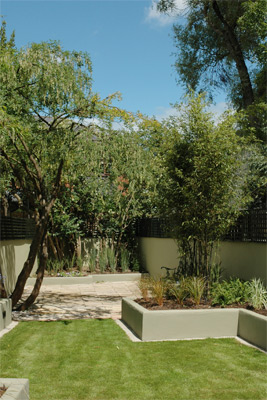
169	304
3	389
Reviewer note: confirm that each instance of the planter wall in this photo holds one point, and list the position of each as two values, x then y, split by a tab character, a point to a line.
85	280
194	324
17	389
5	313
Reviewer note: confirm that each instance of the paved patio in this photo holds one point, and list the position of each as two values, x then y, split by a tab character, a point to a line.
78	301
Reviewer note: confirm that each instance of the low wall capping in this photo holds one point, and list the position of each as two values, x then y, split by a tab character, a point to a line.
5	313
17	389
85	280
151	325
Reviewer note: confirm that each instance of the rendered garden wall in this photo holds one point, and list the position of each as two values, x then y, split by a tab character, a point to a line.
13	253
245	260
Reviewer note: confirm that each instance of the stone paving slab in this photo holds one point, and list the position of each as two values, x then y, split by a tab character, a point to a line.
78	301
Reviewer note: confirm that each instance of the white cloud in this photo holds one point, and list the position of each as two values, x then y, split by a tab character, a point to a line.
165	112
218	109
153	15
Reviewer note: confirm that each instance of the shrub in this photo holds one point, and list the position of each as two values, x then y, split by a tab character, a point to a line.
54	266
125	259
111	258
144	286
229	292
257	294
195	286
92	260
103	260
179	290
158	289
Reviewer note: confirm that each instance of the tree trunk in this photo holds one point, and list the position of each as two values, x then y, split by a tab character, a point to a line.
59	250
39	279
234	47
53	248
29	263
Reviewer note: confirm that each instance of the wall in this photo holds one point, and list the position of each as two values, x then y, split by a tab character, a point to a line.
243	259
13	254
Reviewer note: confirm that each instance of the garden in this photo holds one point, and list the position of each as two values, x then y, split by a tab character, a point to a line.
85	183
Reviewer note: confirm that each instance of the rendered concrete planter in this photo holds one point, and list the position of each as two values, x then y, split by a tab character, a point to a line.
84	280
5	313
194	324
17	389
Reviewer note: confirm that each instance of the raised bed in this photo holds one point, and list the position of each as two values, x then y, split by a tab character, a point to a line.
84	280
17	389
194	324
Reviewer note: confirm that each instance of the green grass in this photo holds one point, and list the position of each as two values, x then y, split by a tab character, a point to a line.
94	359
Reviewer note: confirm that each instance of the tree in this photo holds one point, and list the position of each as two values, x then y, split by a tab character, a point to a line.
45	96
106	193
206	186
222	45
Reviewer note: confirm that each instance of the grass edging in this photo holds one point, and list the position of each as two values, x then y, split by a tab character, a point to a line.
195	324
17	389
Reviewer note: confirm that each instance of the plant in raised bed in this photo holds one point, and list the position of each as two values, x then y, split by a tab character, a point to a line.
92	257
103	260
195	285
257	294
144	286
111	256
159	288
230	292
179	290
125	259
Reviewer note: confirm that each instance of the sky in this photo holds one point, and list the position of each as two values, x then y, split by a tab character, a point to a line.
129	42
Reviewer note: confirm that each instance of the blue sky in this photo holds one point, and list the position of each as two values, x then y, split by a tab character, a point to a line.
130	46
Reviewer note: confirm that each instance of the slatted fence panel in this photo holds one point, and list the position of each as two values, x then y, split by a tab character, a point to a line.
251	227
16	228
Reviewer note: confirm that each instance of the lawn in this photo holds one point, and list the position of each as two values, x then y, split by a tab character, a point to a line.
94	359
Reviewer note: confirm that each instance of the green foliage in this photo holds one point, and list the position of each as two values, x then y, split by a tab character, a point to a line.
65	267
215	273
257	294
230	292
54	266
105	193
103	259
158	288
112	260
222	45
144	287
92	259
205	185
124	259
195	286
135	264
46	100
179	290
